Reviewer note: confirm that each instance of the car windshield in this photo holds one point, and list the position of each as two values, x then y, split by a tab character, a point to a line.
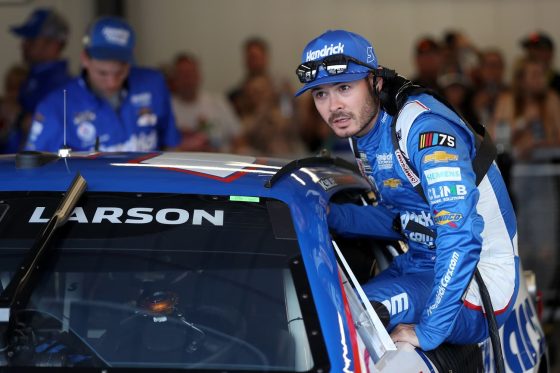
159	281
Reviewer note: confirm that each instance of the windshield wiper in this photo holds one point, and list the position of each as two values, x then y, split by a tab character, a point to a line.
19	289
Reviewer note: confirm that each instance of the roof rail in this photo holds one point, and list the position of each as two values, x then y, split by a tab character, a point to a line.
310	161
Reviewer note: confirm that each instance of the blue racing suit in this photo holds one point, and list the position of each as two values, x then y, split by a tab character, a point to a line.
41	80
459	227
143	122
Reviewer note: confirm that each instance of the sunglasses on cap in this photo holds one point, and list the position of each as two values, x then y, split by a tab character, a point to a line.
334	65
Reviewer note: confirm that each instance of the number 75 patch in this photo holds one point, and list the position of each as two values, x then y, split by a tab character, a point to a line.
429	139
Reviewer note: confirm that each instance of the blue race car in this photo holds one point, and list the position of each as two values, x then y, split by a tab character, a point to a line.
116	262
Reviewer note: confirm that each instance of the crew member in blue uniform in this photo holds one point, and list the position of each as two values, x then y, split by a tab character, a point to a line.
457	226
112	105
44	36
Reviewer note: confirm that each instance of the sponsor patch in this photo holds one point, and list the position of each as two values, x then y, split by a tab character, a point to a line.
439	174
84	116
429	139
444	217
327	50
446	193
327	183
440	157
392	183
410	175
384	161
86	132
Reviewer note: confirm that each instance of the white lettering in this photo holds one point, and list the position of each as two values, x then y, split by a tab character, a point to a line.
325	51
444	282
216	219
36	216
78	215
397	304
161	216
142	215
111	214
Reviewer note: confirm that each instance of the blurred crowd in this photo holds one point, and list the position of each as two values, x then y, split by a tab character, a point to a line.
259	115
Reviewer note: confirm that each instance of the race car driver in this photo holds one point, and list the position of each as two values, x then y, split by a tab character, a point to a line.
112	106
456	226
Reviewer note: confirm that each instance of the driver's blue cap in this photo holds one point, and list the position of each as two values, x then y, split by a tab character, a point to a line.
110	38
339	42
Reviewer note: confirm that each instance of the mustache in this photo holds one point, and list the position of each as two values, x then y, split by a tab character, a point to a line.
339	115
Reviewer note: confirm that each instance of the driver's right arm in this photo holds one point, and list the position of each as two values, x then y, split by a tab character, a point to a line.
353	220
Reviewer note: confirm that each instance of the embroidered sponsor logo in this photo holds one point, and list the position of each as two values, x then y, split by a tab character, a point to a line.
84	116
439	174
446	193
444	217
327	183
444	282
327	50
410	175
429	139
141	99
422	218
392	183
115	35
397	304
86	132
439	157
384	161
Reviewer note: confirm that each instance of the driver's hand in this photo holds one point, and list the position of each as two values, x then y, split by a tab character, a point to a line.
405	333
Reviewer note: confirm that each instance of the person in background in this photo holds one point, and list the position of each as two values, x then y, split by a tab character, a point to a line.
112	105
539	46
428	61
44	35
206	121
10	108
489	83
528	116
265	130
256	54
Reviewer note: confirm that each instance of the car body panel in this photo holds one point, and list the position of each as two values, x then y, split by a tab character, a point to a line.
307	192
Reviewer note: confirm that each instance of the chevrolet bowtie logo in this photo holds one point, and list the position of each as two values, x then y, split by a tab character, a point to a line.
440	156
392	183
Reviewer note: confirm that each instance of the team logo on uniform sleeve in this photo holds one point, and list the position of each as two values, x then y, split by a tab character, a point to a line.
429	139
440	156
444	217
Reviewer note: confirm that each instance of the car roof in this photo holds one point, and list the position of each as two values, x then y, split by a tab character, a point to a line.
169	172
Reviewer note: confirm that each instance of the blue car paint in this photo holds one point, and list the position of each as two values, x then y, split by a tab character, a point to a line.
118	172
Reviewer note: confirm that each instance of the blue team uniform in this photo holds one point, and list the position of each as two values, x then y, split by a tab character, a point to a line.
459	227
143	122
42	79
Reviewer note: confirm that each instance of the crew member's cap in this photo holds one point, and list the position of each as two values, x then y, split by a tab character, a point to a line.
538	40
43	23
110	38
339	42
426	45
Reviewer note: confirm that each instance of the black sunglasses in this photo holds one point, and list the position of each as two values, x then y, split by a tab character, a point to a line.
334	65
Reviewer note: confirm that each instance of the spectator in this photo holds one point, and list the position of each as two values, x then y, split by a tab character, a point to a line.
460	55
428	63
265	130
456	89
112	104
530	112
10	108
489	84
540	46
257	60
206	121
44	36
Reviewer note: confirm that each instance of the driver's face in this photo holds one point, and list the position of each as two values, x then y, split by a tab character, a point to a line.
348	108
